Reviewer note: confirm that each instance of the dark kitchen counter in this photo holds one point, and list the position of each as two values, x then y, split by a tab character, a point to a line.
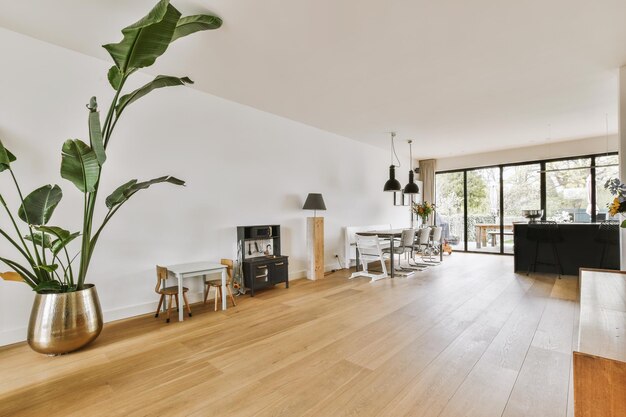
578	249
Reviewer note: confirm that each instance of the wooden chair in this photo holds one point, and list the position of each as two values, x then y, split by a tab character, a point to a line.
217	284
172	292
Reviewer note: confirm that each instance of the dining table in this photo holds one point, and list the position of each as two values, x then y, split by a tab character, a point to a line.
197	269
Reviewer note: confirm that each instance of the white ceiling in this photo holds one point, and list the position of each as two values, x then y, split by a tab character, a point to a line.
456	76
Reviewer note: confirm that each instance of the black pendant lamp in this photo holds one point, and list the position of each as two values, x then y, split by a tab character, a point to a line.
411	187
392	184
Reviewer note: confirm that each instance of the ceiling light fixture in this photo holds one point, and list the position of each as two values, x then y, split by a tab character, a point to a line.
411	187
392	184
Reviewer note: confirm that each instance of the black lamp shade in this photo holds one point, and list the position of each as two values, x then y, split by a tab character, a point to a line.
411	187
314	202
392	184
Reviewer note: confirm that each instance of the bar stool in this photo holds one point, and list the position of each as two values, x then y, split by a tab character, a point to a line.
607	235
546	233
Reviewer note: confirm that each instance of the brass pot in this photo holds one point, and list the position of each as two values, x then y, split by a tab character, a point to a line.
62	323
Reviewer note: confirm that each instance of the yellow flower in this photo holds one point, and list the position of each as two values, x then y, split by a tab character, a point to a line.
614	207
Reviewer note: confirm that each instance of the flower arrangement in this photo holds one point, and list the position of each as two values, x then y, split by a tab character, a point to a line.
618	205
423	210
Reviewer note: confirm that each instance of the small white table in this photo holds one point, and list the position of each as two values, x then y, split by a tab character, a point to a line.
196	269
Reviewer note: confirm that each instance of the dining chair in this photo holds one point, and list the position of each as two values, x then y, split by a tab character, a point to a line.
172	292
217	284
422	240
434	244
369	251
407	239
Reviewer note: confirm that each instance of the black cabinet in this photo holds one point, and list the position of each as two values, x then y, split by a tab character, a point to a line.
263	272
279	272
259	254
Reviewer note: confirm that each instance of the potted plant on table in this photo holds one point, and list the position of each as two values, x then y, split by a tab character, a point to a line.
66	314
423	210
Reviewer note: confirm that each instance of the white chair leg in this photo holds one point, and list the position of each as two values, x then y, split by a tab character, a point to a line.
383	266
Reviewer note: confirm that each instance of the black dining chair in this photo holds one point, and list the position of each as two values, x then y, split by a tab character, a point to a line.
544	233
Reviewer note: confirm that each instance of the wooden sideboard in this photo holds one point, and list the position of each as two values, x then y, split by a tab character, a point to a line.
600	358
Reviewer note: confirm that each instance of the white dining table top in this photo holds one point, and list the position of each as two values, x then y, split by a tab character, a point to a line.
191	267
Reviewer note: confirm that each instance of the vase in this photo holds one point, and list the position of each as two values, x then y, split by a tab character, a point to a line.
64	322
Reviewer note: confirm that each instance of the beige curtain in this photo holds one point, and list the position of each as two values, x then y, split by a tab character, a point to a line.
427	175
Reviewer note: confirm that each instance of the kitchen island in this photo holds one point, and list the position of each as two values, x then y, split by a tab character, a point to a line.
579	248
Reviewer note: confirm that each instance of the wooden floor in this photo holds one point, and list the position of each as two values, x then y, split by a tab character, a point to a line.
466	338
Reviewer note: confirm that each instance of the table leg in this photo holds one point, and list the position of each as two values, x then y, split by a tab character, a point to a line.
224	296
180	298
204	289
165	299
358	258
392	256
441	249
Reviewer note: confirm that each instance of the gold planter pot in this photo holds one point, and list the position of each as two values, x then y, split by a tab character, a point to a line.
62	323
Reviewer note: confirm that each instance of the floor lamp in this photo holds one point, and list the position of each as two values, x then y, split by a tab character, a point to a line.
315	236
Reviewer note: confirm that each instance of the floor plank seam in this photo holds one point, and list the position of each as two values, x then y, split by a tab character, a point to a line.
523	362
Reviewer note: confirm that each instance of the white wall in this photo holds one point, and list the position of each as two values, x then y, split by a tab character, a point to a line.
586	146
242	166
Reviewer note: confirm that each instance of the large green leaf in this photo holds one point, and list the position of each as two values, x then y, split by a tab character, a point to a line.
125	191
118	196
145	184
59	244
6	158
159	82
40	239
95	132
48	286
40	204
192	24
80	165
145	40
115	77
63	237
48	268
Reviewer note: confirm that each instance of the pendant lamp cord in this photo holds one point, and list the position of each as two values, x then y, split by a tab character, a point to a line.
606	120
411	155
393	151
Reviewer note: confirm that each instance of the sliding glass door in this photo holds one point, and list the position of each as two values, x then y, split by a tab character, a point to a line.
483	210
450	197
522	191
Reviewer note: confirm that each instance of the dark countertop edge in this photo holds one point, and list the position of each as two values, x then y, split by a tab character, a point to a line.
564	224
264	259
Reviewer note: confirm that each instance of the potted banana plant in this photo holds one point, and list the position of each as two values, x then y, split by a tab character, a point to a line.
66	313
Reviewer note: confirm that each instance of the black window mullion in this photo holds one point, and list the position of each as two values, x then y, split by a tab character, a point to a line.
465	207
501	210
594	216
542	182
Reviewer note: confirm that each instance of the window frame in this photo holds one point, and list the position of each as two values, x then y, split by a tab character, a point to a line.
542	184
